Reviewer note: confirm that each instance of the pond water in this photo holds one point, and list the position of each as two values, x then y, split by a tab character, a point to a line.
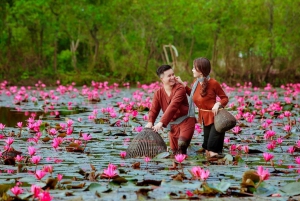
99	110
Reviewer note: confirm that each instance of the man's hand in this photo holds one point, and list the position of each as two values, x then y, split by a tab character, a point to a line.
157	127
149	125
215	109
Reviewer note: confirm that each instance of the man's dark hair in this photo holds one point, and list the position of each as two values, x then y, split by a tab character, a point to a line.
162	69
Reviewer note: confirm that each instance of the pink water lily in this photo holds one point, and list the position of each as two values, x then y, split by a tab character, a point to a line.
196	171
110	172
204	175
31	150
263	174
39	174
180	157
268	156
16	190
36	159
45	196
123	154
86	136
9	141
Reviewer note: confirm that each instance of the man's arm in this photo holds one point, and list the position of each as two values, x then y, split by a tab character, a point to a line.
154	110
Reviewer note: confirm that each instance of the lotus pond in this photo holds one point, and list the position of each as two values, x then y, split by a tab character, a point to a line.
68	143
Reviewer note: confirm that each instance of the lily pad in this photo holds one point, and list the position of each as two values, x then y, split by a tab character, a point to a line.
292	188
222	186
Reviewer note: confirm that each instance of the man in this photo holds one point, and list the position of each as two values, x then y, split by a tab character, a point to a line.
172	100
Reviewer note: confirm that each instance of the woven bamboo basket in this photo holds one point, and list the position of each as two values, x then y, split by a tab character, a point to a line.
224	121
146	143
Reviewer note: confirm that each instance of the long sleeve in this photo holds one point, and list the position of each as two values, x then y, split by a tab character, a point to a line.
221	94
188	90
176	101
155	108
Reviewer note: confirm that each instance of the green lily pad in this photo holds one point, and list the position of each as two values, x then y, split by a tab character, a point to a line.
95	187
221	187
265	190
292	188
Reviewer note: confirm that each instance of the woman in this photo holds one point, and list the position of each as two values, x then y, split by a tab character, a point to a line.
204	93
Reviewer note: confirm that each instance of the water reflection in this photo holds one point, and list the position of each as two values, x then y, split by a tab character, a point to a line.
10	117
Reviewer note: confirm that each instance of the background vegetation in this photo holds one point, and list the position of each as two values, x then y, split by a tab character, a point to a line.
122	40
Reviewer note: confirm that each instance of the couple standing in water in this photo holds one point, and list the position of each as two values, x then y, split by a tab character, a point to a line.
179	109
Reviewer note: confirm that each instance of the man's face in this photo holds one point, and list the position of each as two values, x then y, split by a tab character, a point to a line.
168	78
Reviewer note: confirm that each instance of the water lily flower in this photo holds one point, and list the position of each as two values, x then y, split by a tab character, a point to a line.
9	141
298	144
204	174
2	126
236	130
196	171
269	134
246	149
180	157
31	150
110	172
35	190
53	131
48	168
268	156
287	128
138	129
147	159
291	149
69	123
279	140
86	136
35	159
16	190
39	174
189	193
227	140
271	146
297	160
287	113
20	124
59	177
145	117
45	196
19	158
263	174
123	154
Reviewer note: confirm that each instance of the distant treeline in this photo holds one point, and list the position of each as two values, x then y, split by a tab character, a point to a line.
122	40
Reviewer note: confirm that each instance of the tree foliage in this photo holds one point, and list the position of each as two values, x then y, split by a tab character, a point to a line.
122	40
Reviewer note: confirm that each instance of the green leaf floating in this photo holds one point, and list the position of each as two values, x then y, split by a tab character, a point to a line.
292	188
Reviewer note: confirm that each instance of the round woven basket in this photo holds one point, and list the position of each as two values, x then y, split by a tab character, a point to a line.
146	143
224	121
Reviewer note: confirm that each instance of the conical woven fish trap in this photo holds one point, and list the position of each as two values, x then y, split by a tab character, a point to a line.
146	143
224	121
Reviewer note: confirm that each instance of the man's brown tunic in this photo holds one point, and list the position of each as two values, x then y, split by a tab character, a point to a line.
173	106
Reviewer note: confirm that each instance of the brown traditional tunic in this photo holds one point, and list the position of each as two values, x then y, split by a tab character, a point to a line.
173	106
207	102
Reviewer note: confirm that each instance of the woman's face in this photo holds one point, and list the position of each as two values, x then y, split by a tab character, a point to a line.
196	74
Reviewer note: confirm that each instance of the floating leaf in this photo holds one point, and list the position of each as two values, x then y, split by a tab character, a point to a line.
162	155
265	190
221	187
95	187
292	188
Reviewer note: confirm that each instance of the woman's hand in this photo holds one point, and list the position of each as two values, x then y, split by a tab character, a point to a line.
215	108
157	127
178	79
149	125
